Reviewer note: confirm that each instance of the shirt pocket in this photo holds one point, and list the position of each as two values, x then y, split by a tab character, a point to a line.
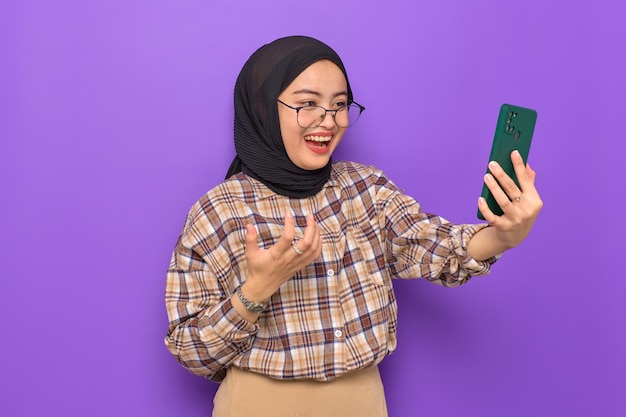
367	254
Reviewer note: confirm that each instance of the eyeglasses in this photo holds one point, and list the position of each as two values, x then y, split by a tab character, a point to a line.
312	116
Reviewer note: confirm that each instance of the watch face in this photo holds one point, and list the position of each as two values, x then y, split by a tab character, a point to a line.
256	308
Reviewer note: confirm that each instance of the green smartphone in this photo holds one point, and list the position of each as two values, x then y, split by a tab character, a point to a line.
514	131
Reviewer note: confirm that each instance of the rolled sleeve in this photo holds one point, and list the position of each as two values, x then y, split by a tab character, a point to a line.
422	245
206	333
227	324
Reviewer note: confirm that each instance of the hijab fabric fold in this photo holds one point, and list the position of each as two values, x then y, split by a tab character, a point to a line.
259	145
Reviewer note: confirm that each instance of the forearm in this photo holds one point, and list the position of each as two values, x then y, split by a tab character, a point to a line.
206	344
485	244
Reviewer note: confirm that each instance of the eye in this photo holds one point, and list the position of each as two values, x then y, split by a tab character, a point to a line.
308	103
340	104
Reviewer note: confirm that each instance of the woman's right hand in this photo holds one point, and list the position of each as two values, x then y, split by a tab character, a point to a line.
269	268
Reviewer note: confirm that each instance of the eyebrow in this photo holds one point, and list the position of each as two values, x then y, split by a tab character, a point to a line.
316	93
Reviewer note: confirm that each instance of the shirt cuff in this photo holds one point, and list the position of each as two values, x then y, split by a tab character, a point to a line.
458	242
229	324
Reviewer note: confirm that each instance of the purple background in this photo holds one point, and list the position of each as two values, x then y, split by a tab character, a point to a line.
115	116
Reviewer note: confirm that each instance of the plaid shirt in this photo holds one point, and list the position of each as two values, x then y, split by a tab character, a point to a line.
336	315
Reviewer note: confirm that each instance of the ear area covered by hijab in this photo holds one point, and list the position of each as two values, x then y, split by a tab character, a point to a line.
258	141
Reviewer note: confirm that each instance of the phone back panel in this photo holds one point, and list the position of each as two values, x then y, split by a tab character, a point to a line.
514	131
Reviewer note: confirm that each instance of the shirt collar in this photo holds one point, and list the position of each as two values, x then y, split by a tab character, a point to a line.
261	191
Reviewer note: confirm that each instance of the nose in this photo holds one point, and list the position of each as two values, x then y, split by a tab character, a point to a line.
328	120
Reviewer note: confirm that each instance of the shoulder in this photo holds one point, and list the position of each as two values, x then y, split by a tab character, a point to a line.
364	183
227	200
352	174
239	188
348	169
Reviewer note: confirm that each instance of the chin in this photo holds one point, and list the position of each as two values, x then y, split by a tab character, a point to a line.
312	166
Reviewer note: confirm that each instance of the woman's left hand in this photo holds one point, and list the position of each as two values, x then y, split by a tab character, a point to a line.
520	205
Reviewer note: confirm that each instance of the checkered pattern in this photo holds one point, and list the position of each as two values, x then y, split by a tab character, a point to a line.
336	315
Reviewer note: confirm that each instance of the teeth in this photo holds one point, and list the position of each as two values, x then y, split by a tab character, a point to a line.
318	138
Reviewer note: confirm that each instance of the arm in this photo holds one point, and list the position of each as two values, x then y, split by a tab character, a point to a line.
423	245
206	333
209	326
519	212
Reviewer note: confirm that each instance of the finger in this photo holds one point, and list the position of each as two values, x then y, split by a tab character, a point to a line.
489	215
316	244
498	193
285	241
317	237
306	242
309	234
531	173
506	183
252	247
520	170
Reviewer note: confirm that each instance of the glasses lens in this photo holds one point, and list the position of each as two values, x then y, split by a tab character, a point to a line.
348	115
311	116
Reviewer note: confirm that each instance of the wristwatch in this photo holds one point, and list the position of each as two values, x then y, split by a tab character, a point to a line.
251	306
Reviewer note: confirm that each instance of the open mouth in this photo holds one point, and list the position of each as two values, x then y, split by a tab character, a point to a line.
318	141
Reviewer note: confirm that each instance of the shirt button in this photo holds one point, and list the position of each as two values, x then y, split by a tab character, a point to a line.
330	272
338	333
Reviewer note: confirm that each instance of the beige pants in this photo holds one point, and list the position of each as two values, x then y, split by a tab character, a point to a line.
246	394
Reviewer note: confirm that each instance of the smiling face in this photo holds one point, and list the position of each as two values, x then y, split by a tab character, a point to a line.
321	84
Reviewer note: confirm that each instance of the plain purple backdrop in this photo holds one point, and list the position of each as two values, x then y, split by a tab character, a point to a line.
115	116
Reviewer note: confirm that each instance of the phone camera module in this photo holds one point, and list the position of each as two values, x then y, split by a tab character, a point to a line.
509	127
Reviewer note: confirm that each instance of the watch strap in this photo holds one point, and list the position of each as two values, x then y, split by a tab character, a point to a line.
251	306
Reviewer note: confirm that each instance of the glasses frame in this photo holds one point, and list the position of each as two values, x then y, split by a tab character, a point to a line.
333	112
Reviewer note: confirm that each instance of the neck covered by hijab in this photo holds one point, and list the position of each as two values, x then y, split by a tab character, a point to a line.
259	145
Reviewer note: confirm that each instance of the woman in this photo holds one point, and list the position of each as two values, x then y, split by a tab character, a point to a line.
280	283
